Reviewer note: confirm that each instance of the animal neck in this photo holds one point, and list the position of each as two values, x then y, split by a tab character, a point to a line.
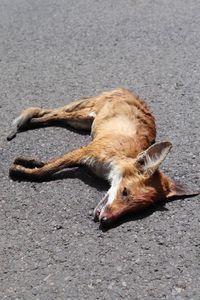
115	177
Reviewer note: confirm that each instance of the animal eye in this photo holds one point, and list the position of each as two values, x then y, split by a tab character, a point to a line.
125	192
141	161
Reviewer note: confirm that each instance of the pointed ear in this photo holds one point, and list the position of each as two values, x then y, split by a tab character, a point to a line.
149	160
177	190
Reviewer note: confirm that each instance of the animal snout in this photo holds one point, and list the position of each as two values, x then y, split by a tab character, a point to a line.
105	220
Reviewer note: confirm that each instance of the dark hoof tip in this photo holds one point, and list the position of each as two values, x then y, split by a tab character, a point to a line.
11	136
14	173
28	162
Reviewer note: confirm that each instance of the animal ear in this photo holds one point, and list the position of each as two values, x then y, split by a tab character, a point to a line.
149	160
177	190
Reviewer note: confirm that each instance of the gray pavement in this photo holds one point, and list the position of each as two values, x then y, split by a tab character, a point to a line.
52	52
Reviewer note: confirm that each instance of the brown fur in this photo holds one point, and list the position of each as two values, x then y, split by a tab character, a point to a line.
122	129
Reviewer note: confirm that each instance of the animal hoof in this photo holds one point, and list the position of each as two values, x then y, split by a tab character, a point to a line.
28	162
15	173
11	135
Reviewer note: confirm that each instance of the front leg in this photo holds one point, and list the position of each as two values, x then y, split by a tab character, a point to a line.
28	162
36	170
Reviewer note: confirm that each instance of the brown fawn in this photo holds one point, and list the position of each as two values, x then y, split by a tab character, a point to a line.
122	151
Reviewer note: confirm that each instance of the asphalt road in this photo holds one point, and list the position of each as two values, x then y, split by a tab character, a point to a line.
52	52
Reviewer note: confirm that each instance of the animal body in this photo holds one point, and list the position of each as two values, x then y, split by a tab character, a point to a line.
122	151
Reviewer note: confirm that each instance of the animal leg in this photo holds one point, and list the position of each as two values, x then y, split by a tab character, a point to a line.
24	168
77	114
28	162
22	121
81	119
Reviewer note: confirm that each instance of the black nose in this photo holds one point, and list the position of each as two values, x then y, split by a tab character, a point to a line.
104	221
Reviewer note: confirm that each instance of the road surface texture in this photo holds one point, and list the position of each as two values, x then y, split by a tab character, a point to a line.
50	53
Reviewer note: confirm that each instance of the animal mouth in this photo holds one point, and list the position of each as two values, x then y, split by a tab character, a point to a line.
101	214
100	208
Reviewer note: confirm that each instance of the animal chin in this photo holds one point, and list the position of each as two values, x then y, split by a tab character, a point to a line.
99	213
106	218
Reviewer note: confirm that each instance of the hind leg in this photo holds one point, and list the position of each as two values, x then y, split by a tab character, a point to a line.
80	119
22	121
79	110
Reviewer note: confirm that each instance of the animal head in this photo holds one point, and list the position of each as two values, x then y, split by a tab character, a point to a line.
138	184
